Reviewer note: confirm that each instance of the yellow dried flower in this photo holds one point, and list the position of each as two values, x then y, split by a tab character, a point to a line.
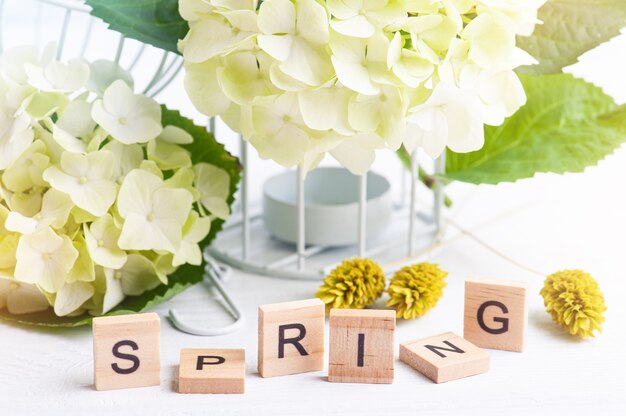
415	289
575	301
354	284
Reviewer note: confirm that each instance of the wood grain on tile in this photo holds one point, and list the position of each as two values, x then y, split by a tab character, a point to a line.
126	351
496	314
361	346
291	337
444	357
206	371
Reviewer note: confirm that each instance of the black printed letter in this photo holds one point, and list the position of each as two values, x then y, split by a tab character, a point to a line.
201	361
133	358
360	351
504	321
295	340
453	348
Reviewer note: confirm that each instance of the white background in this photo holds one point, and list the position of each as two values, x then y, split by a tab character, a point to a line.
547	223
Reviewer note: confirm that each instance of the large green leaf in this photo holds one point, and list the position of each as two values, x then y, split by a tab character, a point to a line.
571	28
567	125
204	149
155	22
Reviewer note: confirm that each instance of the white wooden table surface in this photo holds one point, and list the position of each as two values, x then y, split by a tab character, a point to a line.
547	223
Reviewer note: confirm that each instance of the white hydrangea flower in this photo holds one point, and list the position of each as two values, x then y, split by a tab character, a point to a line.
522	13
165	149
108	289
51	75
20	298
213	185
501	92
195	230
126	157
380	115
27	170
450	117
245	74
71	297
128	117
102	238
84	269
361	18
217	33
16	135
154	215
102	73
361	64
45	259
55	210
295	35
86	179
280	133
136	276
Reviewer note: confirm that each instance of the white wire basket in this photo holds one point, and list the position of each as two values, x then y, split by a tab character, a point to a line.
415	228
78	34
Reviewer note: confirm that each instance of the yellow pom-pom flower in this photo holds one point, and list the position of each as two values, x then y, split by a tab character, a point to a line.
575	301
355	283
414	290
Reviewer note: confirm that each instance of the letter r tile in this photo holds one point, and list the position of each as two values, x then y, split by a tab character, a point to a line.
361	346
291	337
127	351
495	314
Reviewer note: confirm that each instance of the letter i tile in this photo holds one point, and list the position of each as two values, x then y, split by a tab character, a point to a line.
361	346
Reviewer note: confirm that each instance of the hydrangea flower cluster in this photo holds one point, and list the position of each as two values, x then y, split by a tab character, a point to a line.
302	78
98	200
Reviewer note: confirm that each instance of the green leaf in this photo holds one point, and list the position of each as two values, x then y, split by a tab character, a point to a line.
204	149
571	28
566	125
155	22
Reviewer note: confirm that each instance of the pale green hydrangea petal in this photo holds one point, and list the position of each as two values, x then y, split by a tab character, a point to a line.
102	237
86	179
27	171
137	276
154	214
196	229
102	73
71	296
128	117
84	268
19	298
45	259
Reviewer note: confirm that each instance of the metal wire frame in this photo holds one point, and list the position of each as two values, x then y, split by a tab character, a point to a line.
283	266
168	68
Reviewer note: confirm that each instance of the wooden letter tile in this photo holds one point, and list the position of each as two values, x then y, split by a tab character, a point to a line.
444	357
126	351
291	337
361	346
212	371
495	314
